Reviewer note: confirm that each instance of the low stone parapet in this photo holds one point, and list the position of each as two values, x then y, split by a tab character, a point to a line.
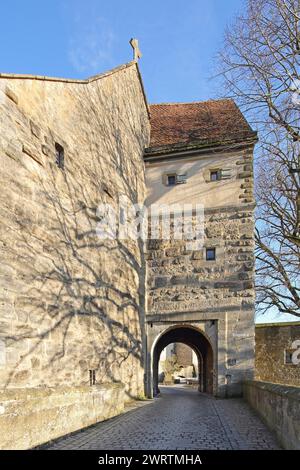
279	407
30	417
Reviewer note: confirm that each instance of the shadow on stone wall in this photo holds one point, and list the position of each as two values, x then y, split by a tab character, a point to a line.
79	304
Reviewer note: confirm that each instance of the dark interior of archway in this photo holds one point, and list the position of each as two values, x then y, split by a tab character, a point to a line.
199	343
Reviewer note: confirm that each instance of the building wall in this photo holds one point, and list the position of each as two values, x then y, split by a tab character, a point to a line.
184	287
165	354
198	189
272	341
69	301
184	354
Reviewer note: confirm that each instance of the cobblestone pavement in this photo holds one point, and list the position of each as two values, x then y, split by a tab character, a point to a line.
180	418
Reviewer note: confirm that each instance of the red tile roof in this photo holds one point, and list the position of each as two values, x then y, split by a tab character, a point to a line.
189	123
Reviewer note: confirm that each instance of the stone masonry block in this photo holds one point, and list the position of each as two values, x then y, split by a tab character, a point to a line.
198	255
33	153
245	174
35	130
11	95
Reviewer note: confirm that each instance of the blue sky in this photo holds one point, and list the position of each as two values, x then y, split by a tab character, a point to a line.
79	38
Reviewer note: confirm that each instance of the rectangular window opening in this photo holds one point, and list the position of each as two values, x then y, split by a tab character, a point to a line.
60	156
92	377
171	180
210	254
215	175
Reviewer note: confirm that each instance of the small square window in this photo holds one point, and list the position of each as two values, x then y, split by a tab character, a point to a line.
210	254
59	156
214	175
171	180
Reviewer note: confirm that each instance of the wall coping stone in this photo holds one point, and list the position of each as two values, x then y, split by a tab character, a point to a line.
278	389
85	81
266	325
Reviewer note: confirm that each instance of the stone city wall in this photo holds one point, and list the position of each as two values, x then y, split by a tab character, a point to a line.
34	416
71	304
279	407
273	345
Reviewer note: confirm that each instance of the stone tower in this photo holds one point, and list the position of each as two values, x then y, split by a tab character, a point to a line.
202	153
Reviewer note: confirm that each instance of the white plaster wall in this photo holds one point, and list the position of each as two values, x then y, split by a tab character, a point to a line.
197	190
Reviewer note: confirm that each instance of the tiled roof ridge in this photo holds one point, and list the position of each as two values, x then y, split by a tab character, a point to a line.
212	100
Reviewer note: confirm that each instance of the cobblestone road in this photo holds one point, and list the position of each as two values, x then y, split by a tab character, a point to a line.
180	418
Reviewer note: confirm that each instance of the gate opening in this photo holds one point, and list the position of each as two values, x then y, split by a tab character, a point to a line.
199	344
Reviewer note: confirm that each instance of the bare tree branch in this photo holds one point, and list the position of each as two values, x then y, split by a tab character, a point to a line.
260	67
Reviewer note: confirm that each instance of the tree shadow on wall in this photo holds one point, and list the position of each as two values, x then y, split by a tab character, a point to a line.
81	300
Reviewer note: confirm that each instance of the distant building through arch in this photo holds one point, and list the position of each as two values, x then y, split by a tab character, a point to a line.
196	340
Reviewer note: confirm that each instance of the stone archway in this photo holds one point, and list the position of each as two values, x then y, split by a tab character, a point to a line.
196	340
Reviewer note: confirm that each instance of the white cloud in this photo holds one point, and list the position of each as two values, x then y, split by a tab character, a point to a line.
91	47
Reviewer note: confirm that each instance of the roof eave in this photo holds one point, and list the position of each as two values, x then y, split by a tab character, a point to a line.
200	146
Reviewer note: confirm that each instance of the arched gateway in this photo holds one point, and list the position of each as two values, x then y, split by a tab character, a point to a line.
194	338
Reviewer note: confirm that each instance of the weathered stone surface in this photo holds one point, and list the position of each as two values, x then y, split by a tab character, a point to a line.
279	407
173	252
197	254
245	257
33	416
11	95
245	174
46	150
248	168
273	341
161	281
245	276
32	152
36	131
72	302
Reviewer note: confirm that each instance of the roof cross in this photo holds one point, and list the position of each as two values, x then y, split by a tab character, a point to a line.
135	46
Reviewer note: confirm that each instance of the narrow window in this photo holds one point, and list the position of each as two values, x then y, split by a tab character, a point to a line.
60	156
92	377
210	254
171	180
122	216
214	175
